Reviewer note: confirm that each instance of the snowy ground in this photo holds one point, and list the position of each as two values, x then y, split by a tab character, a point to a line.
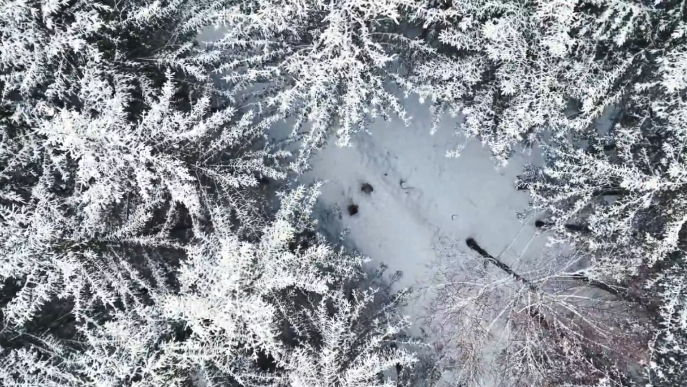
444	197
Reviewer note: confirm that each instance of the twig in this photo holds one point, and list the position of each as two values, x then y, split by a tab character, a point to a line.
402	187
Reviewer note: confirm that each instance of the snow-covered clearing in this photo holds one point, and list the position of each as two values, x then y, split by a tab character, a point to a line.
440	197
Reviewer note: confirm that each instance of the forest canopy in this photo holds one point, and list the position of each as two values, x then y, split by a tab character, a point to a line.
151	233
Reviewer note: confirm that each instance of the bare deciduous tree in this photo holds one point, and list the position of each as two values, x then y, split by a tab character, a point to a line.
528	323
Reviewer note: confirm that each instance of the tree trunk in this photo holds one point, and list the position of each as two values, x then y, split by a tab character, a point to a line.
474	246
609	289
569	227
610	192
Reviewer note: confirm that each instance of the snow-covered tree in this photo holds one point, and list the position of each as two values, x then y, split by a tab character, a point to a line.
623	187
626	198
347	343
101	149
518	69
232	291
669	347
326	66
529	322
229	309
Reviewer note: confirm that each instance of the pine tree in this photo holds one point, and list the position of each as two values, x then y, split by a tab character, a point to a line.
104	147
326	67
516	70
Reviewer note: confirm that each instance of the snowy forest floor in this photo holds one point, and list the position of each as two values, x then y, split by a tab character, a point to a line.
419	195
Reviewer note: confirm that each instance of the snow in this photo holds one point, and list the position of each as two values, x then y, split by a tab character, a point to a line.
445	197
